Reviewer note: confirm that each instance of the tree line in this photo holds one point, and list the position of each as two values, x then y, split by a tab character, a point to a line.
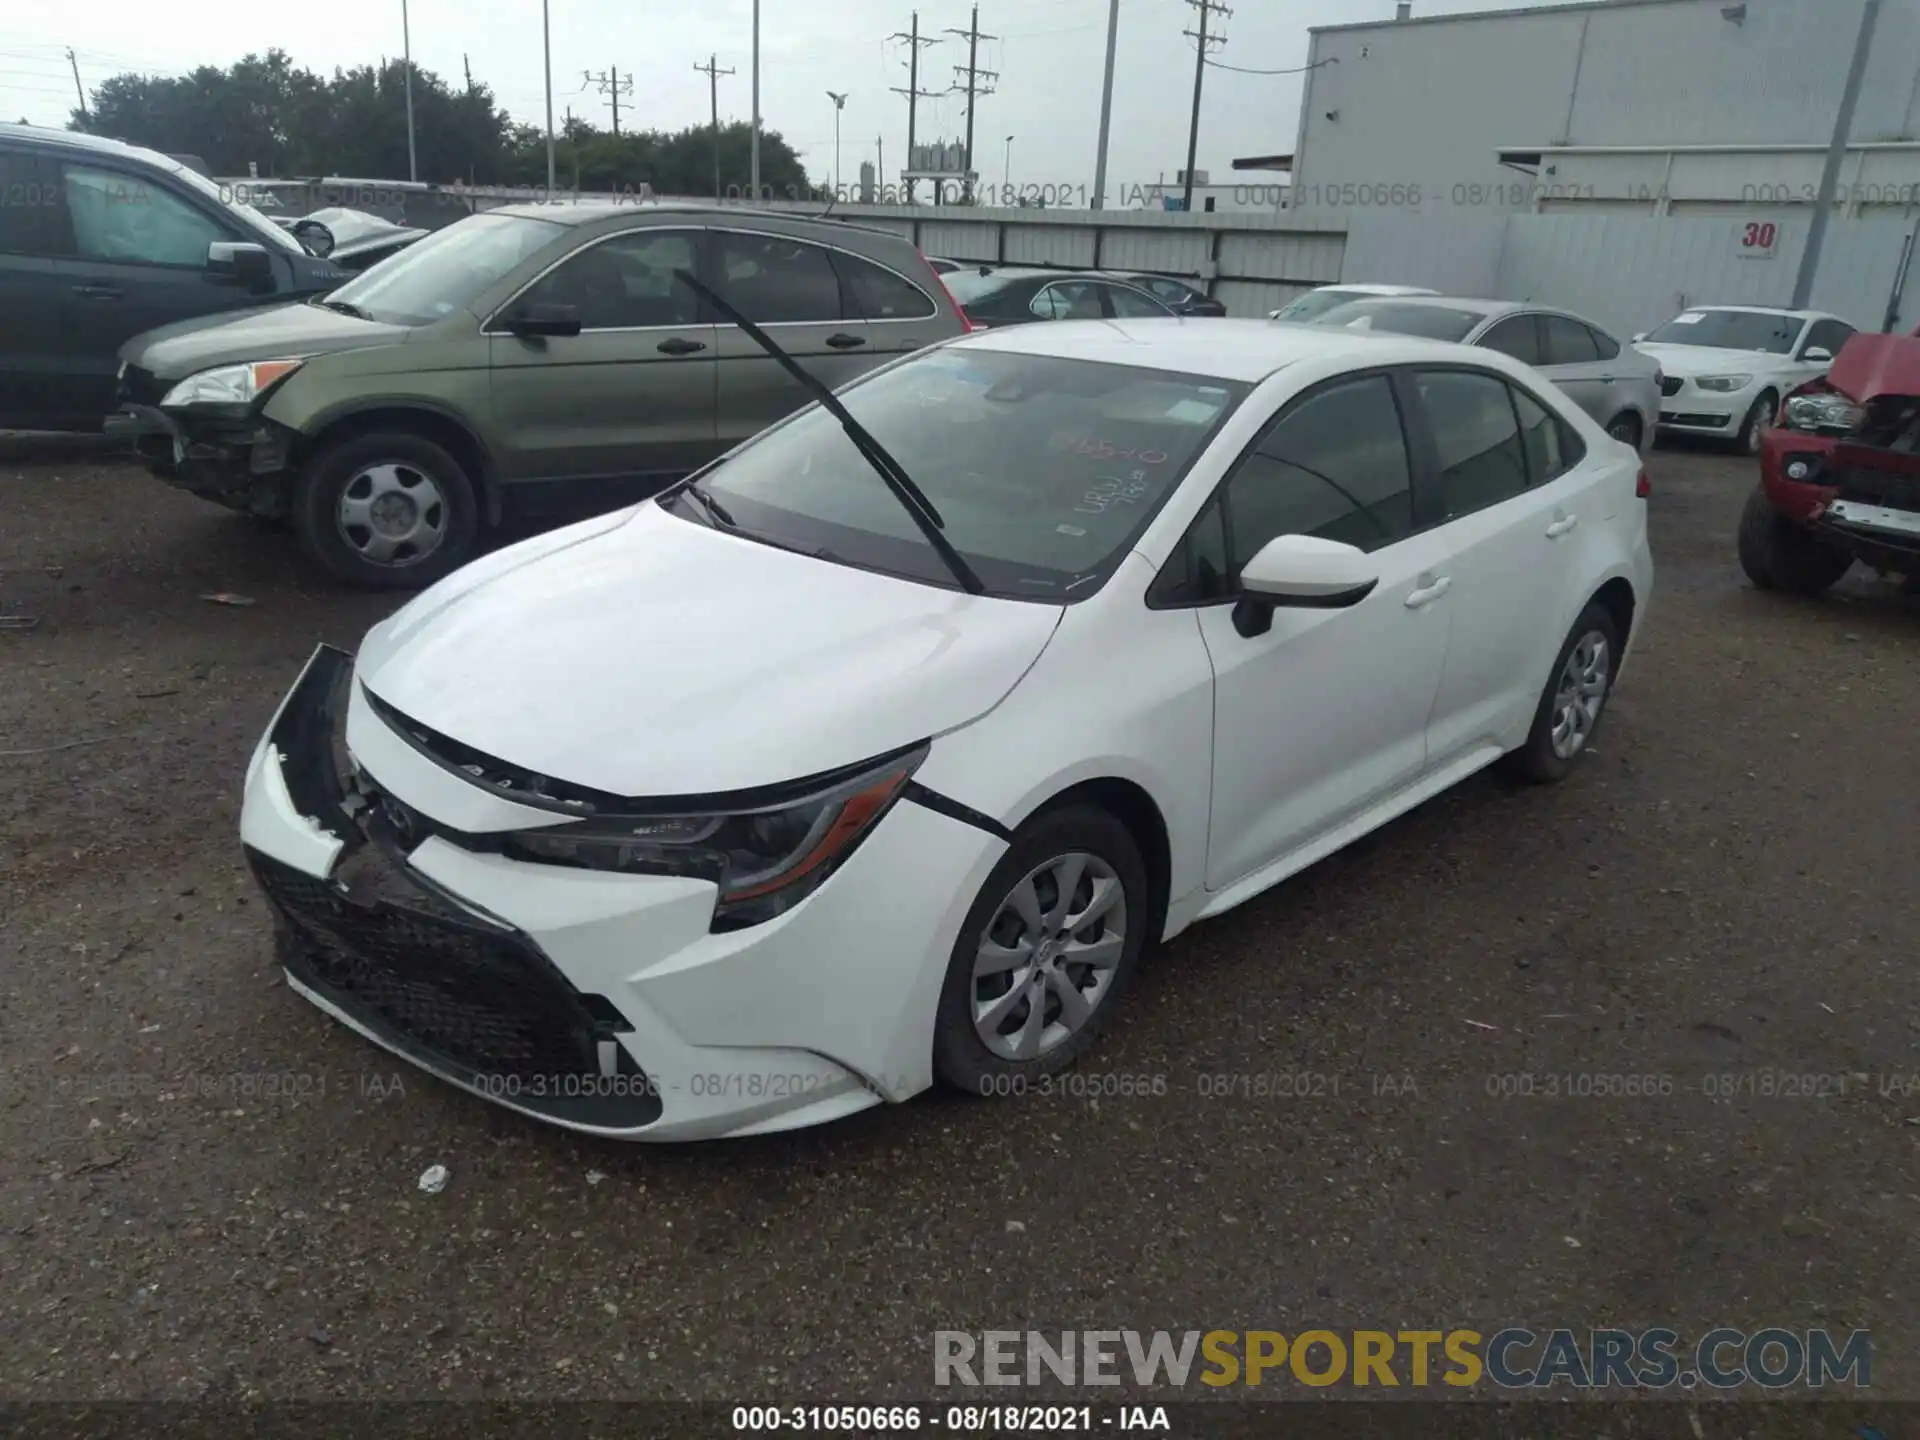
285	121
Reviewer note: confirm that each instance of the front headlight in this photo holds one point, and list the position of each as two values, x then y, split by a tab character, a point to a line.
1724	384
765	859
230	384
1823	412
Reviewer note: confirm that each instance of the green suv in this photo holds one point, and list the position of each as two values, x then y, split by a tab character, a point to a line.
530	360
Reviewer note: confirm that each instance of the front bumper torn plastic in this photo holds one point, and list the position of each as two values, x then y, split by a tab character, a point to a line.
230	456
456	991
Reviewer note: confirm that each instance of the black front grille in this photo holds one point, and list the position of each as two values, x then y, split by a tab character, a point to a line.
1670	385
472	1000
1879	487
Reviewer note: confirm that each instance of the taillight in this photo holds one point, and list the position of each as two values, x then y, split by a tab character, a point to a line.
1643	487
967	326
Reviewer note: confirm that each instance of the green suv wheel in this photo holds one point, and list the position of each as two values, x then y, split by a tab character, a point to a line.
386	511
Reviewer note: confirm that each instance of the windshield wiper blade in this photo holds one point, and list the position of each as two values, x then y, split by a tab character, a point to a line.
910	495
712	506
342	307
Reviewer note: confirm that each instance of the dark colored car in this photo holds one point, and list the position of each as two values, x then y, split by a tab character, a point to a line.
101	241
993	296
1183	298
535	359
1840	473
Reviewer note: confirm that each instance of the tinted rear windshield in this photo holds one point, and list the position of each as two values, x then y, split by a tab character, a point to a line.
1731	330
1045	470
1401	317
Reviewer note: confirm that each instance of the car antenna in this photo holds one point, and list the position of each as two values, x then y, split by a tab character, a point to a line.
910	495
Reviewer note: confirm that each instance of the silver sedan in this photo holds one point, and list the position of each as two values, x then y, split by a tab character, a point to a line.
1611	381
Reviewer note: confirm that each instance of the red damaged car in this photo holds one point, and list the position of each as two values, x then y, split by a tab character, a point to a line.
1840	474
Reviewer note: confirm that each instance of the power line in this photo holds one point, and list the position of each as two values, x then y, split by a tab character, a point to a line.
613	87
978	84
1296	70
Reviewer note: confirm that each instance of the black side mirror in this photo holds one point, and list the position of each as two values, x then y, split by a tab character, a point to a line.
241	260
542	320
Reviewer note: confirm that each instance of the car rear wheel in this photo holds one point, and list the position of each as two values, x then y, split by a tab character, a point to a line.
1778	554
1625	427
386	511
1044	954
1755	425
1574	701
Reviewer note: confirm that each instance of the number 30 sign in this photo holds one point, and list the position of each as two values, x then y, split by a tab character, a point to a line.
1758	239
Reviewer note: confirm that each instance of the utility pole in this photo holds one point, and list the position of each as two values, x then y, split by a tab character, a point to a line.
567	130
1106	108
1836	156
839	104
611	85
880	169
913	92
546	50
713	72
406	59
1202	41
754	162
975	77
78	89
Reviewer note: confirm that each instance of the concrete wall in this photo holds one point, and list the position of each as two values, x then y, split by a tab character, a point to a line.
1430	102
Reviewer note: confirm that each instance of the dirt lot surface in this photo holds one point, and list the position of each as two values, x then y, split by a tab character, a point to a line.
208	1189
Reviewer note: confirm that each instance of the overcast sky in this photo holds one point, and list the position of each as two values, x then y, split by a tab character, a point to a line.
1049	56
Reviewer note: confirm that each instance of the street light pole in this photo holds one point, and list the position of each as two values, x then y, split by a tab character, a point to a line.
406	53
1106	108
839	104
754	164
546	46
1006	178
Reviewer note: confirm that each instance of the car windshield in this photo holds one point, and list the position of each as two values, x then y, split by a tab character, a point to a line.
1044	469
446	271
1731	330
225	195
1406	317
1315	303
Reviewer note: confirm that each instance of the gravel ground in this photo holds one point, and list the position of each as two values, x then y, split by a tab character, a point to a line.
1725	889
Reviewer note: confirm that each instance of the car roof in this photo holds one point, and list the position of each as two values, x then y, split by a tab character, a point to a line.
1243	350
93	144
593	212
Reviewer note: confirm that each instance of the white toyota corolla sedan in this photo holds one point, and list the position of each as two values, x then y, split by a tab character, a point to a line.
883	749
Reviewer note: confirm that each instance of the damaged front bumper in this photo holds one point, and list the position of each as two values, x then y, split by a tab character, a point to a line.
600	1001
228	454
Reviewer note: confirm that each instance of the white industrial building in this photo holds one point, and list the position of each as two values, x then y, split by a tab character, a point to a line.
1645	107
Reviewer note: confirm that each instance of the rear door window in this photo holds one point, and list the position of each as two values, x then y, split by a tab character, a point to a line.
1130	304
625	283
1482	458
1568	342
1518	336
776	281
1551	446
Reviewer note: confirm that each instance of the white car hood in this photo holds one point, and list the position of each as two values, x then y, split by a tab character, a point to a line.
646	655
1691	360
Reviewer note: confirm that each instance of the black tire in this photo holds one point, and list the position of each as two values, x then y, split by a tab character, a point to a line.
328	475
961	1056
1626	428
1758	418
1538	761
1778	554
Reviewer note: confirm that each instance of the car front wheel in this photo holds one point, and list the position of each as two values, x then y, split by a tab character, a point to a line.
387	511
1755	425
1044	955
1778	554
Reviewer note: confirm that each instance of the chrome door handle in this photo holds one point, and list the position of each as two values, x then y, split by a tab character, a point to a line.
1562	527
1427	594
